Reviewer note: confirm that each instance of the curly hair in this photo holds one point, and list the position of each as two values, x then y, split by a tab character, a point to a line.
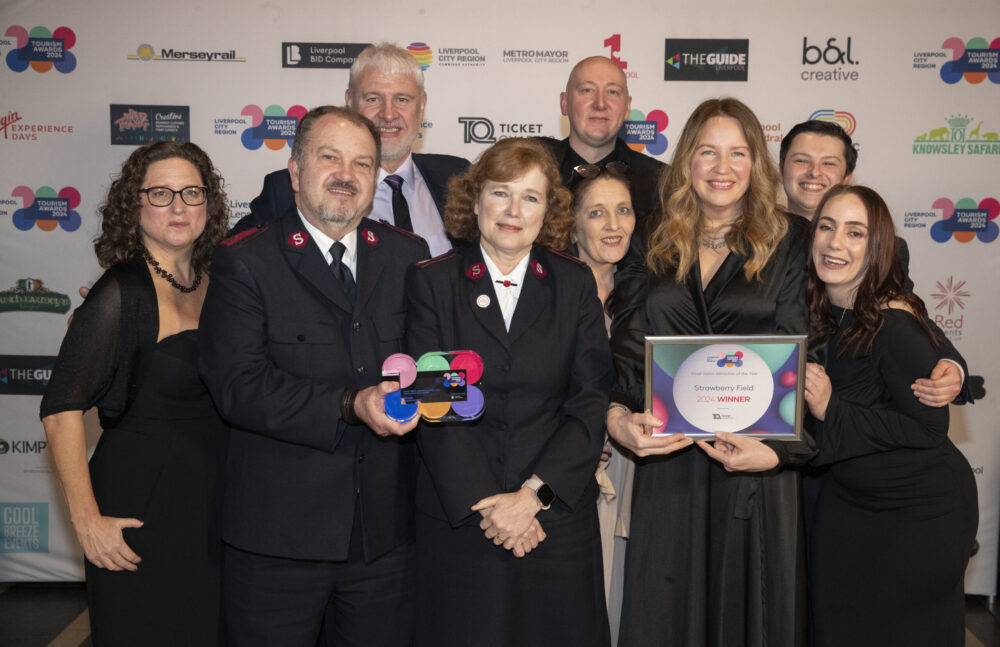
505	161
759	227
882	282
119	240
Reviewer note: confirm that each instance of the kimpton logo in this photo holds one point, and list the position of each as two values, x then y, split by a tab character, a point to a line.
957	139
47	209
644	132
975	61
272	127
840	117
965	220
31	295
422	53
41	49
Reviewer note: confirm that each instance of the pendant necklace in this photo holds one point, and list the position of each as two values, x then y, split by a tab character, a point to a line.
168	277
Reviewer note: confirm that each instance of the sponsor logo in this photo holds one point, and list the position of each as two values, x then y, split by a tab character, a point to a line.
146	52
706	59
956	139
25	374
13	127
480	130
614	44
964	220
31	295
134	125
46	208
975	61
535	56
272	126
339	56
645	132
422	53
773	132
844	119
447	56
41	50
730	360
831	54
949	296
22	446
25	527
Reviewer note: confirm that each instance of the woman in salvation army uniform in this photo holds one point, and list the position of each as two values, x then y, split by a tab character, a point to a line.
146	511
508	550
715	558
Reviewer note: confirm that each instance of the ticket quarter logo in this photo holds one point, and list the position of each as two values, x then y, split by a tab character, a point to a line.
422	53
975	61
840	117
272	127
47	208
957	139
41	49
644	132
964	220
706	59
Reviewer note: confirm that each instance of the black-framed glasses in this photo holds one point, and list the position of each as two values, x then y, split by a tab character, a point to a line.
163	196
588	171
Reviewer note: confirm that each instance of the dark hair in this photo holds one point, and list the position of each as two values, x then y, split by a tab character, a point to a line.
309	119
507	160
580	185
882	281
827	128
119	240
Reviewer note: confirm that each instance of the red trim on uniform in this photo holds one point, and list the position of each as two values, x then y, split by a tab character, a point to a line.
568	257
405	232
235	238
437	259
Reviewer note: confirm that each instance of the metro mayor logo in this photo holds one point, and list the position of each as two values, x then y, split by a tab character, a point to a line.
145	52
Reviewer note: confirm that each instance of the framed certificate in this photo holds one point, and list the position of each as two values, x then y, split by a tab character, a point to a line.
749	384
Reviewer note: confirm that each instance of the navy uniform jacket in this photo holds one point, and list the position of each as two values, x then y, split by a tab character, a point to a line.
276	195
546	382
279	344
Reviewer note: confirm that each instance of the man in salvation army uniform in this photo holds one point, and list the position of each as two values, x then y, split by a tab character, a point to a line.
301	313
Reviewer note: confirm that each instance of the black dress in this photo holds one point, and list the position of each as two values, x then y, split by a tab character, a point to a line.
715	558
158	463
897	511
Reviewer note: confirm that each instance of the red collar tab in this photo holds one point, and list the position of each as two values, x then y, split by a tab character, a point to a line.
539	270
298	240
369	236
476	271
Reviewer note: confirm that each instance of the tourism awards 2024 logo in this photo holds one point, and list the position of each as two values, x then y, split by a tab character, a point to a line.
41	50
974	60
47	209
644	132
957	139
272	127
964	220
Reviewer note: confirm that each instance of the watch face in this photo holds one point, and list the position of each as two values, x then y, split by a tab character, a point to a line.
546	495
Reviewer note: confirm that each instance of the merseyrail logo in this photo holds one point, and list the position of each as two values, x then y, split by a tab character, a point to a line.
957	139
145	52
41	49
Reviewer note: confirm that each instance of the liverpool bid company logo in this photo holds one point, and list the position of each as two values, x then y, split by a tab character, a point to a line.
47	209
325	55
272	127
41	49
645	132
957	139
706	59
964	220
133	124
31	295
833	55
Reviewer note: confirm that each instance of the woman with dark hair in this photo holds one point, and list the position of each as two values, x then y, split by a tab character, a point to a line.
508	551
145	512
715	558
895	519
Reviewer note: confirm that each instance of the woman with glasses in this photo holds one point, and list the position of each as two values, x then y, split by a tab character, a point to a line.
145	511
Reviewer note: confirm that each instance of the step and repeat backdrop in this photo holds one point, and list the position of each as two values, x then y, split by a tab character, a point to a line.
84	83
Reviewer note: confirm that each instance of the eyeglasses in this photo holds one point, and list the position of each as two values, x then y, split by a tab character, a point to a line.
588	171
162	196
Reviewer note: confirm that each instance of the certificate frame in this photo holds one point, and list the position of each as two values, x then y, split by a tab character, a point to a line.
700	384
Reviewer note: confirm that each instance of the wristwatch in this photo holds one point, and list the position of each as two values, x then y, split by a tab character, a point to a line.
542	490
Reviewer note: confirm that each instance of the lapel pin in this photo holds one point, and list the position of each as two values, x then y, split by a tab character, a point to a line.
482	300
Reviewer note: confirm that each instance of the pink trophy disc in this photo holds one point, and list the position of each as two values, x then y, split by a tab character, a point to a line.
402	365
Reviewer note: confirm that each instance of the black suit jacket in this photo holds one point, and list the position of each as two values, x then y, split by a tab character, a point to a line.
279	344
545	382
276	195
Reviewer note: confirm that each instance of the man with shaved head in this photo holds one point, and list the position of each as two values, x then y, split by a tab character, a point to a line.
597	102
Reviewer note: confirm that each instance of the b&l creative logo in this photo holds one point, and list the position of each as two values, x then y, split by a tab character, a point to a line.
447	56
25	374
31	295
955	139
833	54
25	527
840	117
272	127
146	52
644	132
321	55
535	56
46	208
975	61
480	130
706	59
964	220
14	127
950	297
41	49
134	125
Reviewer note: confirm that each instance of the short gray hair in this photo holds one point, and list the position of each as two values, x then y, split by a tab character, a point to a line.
388	59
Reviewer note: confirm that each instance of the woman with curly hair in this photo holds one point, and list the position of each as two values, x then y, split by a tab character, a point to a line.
714	557
508	549
145	512
895	519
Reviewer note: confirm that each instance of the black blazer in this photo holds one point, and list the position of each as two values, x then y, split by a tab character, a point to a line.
279	344
277	195
545	382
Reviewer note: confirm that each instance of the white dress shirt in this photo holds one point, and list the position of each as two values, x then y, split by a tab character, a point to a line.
350	242
424	214
506	296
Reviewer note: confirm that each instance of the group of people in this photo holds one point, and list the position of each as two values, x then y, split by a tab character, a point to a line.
249	488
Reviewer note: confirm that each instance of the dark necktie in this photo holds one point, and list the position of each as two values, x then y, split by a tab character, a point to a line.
341	271
400	210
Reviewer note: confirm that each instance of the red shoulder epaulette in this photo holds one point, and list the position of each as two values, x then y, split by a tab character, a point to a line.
245	235
405	232
437	259
575	259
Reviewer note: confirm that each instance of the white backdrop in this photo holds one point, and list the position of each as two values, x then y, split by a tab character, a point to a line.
75	75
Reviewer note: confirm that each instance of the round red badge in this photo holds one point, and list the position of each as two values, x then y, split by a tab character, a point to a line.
369	236
476	271
298	239
539	270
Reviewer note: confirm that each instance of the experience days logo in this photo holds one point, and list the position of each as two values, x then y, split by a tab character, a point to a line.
644	132
41	49
272	127
975	61
47	208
